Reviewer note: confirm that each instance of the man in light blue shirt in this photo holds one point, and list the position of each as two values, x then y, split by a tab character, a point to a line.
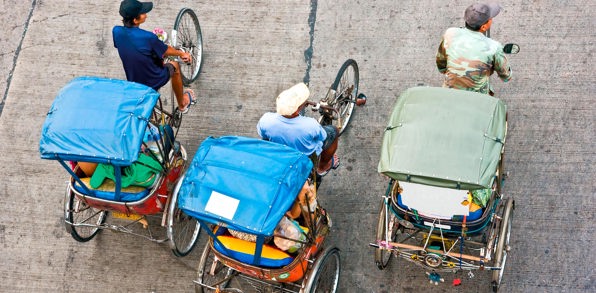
305	134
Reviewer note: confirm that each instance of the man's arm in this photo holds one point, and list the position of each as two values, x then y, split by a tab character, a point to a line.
501	65
441	58
171	51
260	130
114	36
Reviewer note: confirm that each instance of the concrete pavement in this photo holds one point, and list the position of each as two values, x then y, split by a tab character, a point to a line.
255	49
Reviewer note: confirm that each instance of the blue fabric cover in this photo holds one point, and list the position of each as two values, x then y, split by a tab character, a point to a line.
111	195
263	178
98	120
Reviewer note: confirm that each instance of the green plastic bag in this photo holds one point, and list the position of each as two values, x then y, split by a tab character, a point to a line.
481	196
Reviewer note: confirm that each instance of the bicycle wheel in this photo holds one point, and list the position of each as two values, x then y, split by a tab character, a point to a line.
81	220
345	87
188	37
211	273
503	244
325	273
183	230
386	225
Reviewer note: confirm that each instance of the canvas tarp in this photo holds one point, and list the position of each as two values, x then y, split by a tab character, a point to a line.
96	119
243	183
444	137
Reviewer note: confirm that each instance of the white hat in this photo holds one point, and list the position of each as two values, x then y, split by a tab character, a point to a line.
290	100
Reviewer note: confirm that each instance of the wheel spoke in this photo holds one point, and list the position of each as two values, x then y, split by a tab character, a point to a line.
183	230
346	89
212	272
189	38
82	221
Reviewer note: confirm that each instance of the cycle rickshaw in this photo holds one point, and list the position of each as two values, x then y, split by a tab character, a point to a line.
444	209
246	185
106	121
124	131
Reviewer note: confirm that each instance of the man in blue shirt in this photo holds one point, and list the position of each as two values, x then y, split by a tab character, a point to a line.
305	134
142	53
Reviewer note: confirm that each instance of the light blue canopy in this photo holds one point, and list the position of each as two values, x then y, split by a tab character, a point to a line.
244	183
99	120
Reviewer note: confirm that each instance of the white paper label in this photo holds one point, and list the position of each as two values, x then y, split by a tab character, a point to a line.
222	205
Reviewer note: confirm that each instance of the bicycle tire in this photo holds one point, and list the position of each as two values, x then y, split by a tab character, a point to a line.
77	212
324	275
188	37
346	91
502	247
382	257
183	230
211	271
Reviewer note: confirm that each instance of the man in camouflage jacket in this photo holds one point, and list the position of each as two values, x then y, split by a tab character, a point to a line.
467	57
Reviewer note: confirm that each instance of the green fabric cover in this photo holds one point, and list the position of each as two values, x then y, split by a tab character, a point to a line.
140	173
444	137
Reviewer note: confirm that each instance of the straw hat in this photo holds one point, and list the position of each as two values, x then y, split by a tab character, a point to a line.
290	100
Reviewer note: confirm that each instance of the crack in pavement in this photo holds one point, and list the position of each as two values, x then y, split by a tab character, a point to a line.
312	19
16	55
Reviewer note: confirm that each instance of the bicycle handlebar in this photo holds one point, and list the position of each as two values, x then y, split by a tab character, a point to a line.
318	105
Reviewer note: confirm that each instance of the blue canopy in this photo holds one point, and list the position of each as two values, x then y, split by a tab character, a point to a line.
244	183
98	120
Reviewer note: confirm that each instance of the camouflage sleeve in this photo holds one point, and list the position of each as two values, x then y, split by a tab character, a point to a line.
501	66
441	58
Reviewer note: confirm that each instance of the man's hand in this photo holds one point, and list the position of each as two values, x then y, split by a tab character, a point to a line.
186	57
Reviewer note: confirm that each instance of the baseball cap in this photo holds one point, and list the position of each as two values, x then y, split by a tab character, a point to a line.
134	8
290	100
478	14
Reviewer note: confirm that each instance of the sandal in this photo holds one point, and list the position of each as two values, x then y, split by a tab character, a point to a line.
334	165
191	99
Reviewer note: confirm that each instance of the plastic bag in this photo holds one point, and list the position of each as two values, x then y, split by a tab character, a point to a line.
288	229
151	138
481	196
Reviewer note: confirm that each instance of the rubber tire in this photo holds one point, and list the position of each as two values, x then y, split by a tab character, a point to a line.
70	201
343	105
381	254
503	243
206	260
329	257
175	215
185	40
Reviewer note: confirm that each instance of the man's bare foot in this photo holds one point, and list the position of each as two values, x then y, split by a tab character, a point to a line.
332	164
189	98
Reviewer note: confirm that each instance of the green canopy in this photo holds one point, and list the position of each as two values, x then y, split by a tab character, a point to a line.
444	137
